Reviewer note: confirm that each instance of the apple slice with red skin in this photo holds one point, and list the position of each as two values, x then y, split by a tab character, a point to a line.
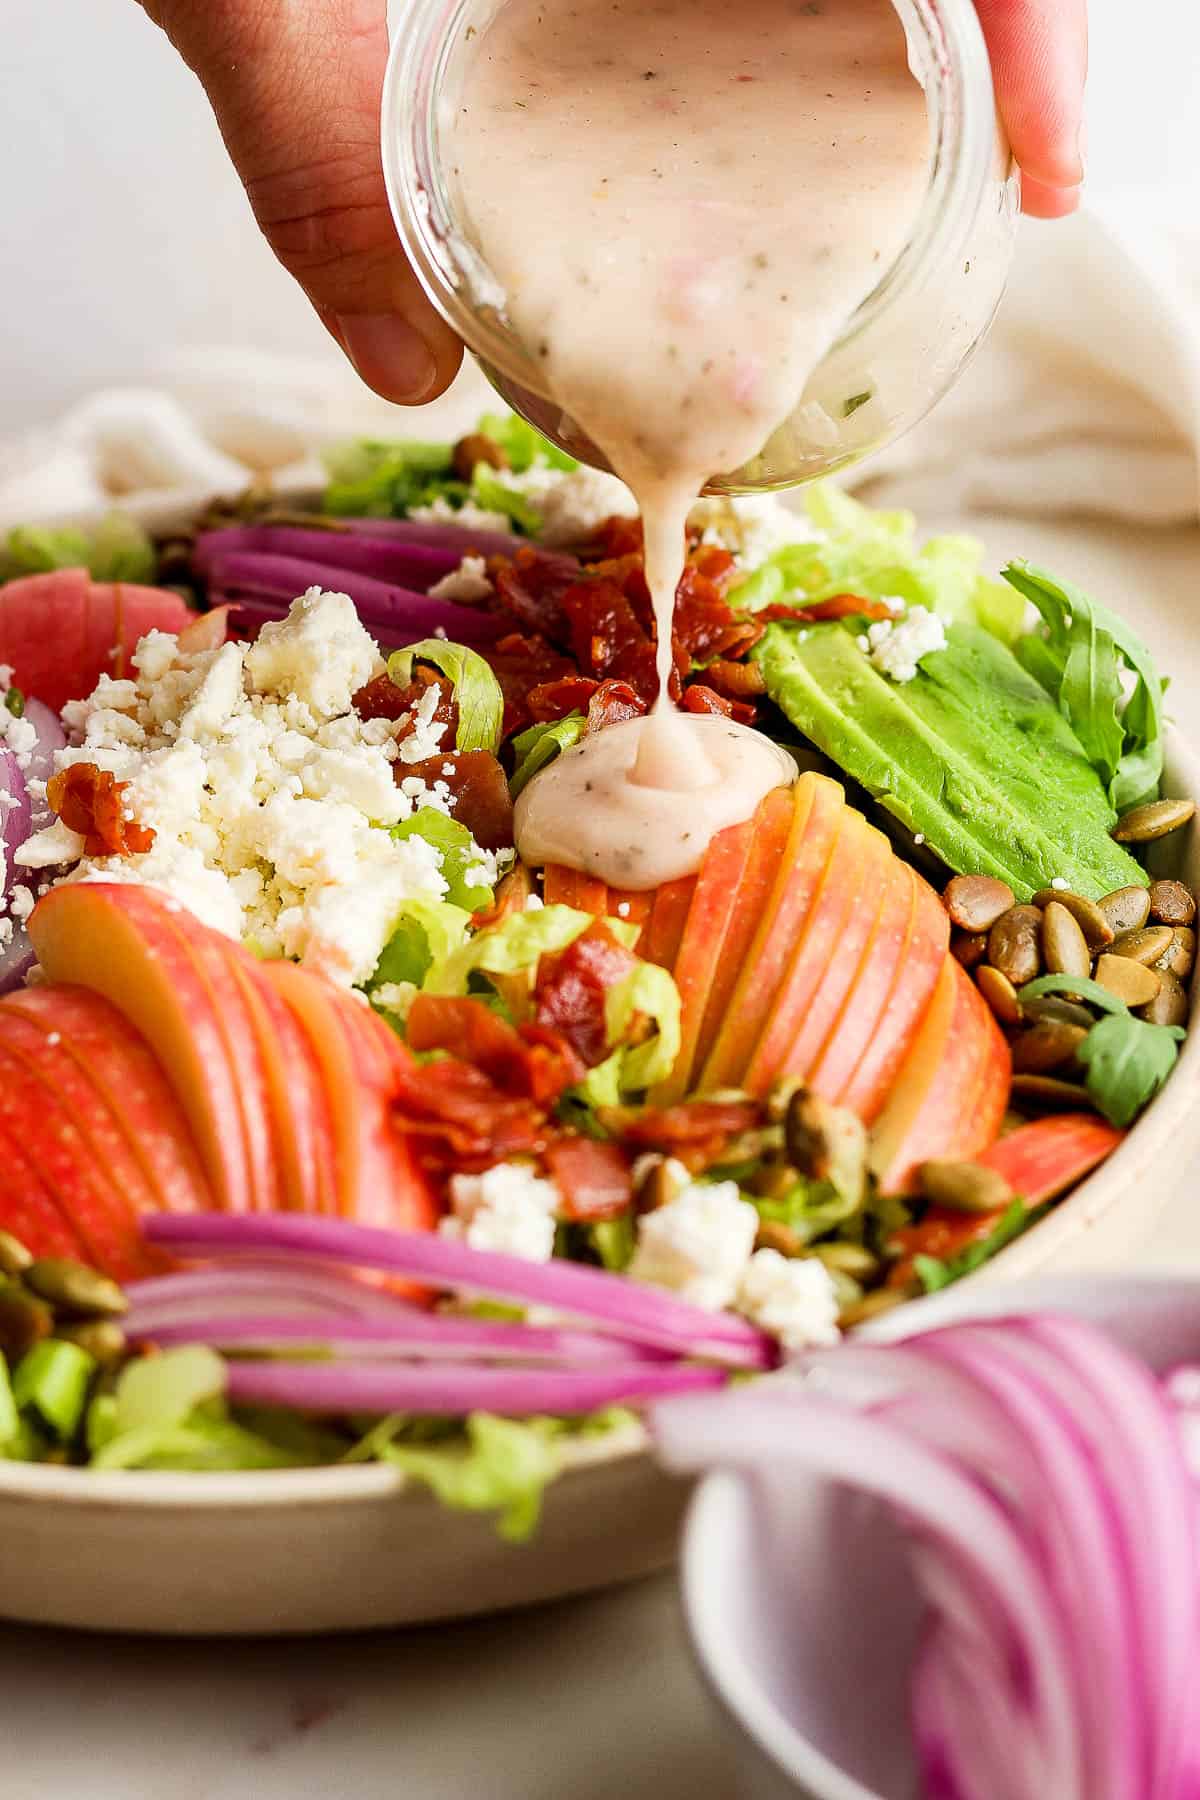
567	887
865	1004
952	1088
818	806
121	1067
120	941
28	1209
662	934
825	962
66	1159
1042	1160
910	996
404	1200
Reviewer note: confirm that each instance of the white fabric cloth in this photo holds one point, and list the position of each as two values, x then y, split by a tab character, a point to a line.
1085	398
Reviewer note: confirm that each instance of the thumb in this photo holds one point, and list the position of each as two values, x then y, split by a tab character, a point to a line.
296	91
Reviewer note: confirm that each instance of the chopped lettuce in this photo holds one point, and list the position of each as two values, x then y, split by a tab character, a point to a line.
476	691
378	479
524	447
10	1418
501	1466
464	872
875	554
490	491
514	946
934	1273
540	744
1080	658
648	992
51	1382
117	549
427	933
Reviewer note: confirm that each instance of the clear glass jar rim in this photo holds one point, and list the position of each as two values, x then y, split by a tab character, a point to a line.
962	104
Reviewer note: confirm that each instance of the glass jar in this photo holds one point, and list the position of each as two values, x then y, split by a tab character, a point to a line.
901	351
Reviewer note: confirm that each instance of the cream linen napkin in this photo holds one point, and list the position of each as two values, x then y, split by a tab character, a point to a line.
1085	398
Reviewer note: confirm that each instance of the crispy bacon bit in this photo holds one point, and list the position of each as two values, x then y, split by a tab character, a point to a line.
837	606
521	665
532	1063
91	801
698	1133
617	536
592	1177
700	699
555	699
530	586
612	703
736	680
482	801
942	1234
571	987
463	1121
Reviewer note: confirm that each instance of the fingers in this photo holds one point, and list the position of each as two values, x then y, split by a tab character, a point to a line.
1039	61
296	91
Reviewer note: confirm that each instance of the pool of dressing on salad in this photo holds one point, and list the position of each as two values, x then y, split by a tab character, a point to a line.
685	202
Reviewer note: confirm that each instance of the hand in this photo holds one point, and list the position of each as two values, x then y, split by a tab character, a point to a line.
1039	61
295	85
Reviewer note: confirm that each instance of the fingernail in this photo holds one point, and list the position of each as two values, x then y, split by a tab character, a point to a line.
389	354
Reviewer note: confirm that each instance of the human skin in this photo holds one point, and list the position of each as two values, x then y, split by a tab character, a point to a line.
296	84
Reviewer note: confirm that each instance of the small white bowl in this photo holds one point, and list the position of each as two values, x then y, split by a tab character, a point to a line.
810	1663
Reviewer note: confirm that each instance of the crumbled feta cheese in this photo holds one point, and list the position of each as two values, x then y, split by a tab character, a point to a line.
425	738
752	526
896	650
395	997
793	1298
698	1244
508	1208
321	653
467	584
918	837
21	902
572	503
56	844
474	518
1061	883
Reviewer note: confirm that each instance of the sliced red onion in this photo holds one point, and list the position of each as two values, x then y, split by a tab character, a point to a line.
15	813
40	763
398	561
254	579
460	540
165	1300
372	1387
609	1303
16	960
422	1336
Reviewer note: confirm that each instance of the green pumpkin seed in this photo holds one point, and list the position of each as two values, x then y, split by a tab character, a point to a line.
975	902
1130	981
826	1143
773	1235
14	1257
74	1288
1053	1006
1170	1005
1180	959
655	1185
848	1259
1000	995
964	1186
1064	946
1145	823
103	1339
1171	903
1046	1045
1014	944
1087	915
1144	946
24	1321
1126	909
1049	1092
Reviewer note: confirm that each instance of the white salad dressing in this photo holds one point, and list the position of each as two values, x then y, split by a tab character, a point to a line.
684	201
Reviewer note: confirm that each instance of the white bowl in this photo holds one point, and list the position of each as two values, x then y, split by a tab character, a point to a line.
348	1548
810	1663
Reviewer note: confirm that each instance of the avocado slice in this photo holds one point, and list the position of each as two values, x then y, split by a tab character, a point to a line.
972	753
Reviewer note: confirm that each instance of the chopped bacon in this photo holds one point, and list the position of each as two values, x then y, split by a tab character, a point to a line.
521	665
837	606
91	801
714	562
736	680
532	1063
462	1121
555	699
593	1178
701	699
572	986
612	703
530	586
482	801
602	624
698	1133
511	897
381	699
619	535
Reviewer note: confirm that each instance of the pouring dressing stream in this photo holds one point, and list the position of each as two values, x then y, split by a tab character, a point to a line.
684	202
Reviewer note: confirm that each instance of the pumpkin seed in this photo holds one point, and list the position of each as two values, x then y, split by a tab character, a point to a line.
846	1291
848	1259
773	1235
24	1321
1053	1006
1171	903
1046	1045
975	902
1014	944
1130	981
1180	959
964	1186
969	947
1087	915
14	1257
101	1338
1170	1005
1000	995
1127	908
75	1288
1144	946
881	1300
1050	1091
1063	943
826	1143
1145	823
655	1183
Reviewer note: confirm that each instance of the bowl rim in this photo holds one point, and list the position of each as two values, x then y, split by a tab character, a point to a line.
162	511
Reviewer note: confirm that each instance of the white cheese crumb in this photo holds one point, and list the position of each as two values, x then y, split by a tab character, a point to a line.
474	518
896	650
468	583
321	654
1061	883
56	844
793	1298
918	837
508	1208
752	526
698	1244
395	997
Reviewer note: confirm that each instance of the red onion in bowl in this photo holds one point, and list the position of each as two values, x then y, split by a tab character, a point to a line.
16	814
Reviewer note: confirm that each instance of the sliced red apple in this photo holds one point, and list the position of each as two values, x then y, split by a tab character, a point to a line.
865	1005
818	806
403	1199
119	1064
28	1209
1045	1158
121	941
909	998
663	931
825	962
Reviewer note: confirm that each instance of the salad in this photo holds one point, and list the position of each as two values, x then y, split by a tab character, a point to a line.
334	1132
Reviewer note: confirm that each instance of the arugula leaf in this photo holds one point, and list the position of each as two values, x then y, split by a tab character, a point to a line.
461	868
476	690
375	478
523	446
540	744
1079	662
117	549
1127	1059
934	1273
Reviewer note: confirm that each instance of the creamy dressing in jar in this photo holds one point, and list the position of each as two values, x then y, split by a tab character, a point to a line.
684	201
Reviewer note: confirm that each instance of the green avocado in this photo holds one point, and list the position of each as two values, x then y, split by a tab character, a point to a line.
972	753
